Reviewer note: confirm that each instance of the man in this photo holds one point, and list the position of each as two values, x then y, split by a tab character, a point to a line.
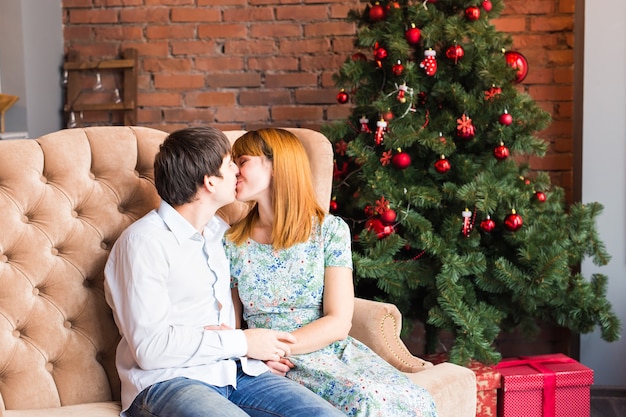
167	280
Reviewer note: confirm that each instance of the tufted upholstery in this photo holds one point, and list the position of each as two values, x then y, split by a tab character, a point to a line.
64	199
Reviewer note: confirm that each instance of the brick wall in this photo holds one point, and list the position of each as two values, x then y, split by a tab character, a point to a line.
252	63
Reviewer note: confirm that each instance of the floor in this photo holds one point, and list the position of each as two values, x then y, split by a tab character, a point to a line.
608	402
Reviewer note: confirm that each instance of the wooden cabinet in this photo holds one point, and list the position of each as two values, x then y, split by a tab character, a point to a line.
101	92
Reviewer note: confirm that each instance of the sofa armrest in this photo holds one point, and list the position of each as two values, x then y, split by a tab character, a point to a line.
378	326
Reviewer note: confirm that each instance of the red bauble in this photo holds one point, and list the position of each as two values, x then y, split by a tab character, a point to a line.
501	152
401	160
333	206
397	69
342	97
379	228
487	5
518	62
487	225
505	118
455	52
377	12
388	216
359	56
466	134
540	196
412	35
380	54
387	116
513	221
442	165
472	13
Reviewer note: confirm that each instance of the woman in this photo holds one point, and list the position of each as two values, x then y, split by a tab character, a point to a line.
291	265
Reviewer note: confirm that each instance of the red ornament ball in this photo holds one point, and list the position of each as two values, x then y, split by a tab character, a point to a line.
513	221
501	152
377	12
442	165
487	5
387	116
377	226
472	13
401	160
540	196
359	56
333	206
506	119
380	54
397	69
388	216
342	97
518	62
412	35
455	52
487	225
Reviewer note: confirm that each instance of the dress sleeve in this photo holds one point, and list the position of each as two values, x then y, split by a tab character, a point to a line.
337	242
230	251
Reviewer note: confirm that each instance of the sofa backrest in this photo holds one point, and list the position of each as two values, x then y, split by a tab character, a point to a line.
64	200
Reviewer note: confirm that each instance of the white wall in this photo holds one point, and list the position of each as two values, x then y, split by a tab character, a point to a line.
31	58
604	169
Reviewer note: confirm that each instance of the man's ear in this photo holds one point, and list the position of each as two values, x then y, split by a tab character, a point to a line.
209	183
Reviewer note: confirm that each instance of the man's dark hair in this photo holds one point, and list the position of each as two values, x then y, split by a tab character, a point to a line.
184	158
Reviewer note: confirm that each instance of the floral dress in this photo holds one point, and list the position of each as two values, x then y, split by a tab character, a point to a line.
283	290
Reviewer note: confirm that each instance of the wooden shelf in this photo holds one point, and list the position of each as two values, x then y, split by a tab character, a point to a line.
122	98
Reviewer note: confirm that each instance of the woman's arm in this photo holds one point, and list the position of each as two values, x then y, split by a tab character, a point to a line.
338	304
238	307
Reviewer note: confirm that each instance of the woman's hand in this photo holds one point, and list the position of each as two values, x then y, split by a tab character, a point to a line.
280	367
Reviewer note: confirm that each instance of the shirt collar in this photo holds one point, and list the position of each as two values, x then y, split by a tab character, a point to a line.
183	230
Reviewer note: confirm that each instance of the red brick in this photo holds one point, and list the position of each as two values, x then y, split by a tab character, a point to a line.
167	65
169	2
67	4
222	30
120	33
159	99
114	3
322	62
144	15
273	63
203	47
248	47
179	31
210	99
219	63
274	30
510	24
267	97
248	14
297	113
190	115
550	92
296	79
195	14
241	79
305	45
155	49
315	96
554	162
92	16
529	7
149	115
302	13
551	23
242	114
325	28
221	3
178	82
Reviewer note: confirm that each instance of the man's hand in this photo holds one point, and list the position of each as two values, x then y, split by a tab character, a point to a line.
268	345
280	367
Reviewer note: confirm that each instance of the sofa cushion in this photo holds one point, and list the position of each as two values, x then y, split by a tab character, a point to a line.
64	199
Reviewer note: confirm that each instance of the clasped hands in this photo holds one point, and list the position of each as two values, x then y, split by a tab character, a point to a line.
271	346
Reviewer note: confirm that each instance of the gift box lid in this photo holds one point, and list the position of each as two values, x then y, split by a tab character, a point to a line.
529	372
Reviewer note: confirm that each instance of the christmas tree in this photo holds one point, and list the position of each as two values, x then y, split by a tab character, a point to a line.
432	174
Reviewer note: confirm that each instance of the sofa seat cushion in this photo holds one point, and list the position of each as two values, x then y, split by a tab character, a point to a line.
102	409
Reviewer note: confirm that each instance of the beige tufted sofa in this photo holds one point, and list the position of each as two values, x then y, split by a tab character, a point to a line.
64	199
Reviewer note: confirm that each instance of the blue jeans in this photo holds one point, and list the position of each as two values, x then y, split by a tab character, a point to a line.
259	396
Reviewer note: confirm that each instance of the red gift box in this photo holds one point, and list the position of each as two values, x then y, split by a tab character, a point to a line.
487	384
544	386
